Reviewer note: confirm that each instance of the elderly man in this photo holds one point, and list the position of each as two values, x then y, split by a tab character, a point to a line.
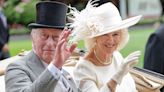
41	69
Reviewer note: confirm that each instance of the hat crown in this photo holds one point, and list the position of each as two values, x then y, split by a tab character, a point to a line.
108	14
50	14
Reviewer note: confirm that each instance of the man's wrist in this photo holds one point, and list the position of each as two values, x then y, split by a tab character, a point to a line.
57	64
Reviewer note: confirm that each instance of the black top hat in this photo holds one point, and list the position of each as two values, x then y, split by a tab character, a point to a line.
50	14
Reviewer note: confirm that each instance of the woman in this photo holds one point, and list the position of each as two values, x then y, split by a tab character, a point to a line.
103	69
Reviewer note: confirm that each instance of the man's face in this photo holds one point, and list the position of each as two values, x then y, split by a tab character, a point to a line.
44	42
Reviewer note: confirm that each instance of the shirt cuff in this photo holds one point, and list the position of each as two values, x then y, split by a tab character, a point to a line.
54	71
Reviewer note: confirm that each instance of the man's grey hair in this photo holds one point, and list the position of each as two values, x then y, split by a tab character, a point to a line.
34	31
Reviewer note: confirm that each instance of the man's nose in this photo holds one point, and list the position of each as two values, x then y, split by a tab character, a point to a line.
50	41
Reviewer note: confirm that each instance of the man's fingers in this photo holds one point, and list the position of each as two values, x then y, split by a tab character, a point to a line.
61	35
64	46
73	46
65	34
59	45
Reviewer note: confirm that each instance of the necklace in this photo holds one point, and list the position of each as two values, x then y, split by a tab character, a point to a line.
107	62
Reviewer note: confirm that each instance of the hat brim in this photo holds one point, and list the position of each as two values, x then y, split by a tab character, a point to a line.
124	24
35	25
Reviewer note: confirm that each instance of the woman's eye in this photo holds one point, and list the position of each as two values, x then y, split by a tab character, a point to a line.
115	34
105	35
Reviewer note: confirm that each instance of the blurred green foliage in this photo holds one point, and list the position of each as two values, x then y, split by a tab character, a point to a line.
20	31
19	12
24	12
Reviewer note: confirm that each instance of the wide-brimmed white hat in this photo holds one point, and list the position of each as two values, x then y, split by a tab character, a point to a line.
95	21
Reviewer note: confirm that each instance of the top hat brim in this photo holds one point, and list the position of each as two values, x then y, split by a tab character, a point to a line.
36	25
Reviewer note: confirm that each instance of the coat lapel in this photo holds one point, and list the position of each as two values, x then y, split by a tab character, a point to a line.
35	64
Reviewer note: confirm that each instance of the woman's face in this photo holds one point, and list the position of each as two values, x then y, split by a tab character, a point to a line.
108	43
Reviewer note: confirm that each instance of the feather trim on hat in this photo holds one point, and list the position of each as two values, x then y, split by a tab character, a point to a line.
86	23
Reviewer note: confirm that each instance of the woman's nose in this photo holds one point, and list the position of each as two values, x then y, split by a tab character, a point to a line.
110	38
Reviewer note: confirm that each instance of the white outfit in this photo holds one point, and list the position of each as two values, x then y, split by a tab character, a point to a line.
92	78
